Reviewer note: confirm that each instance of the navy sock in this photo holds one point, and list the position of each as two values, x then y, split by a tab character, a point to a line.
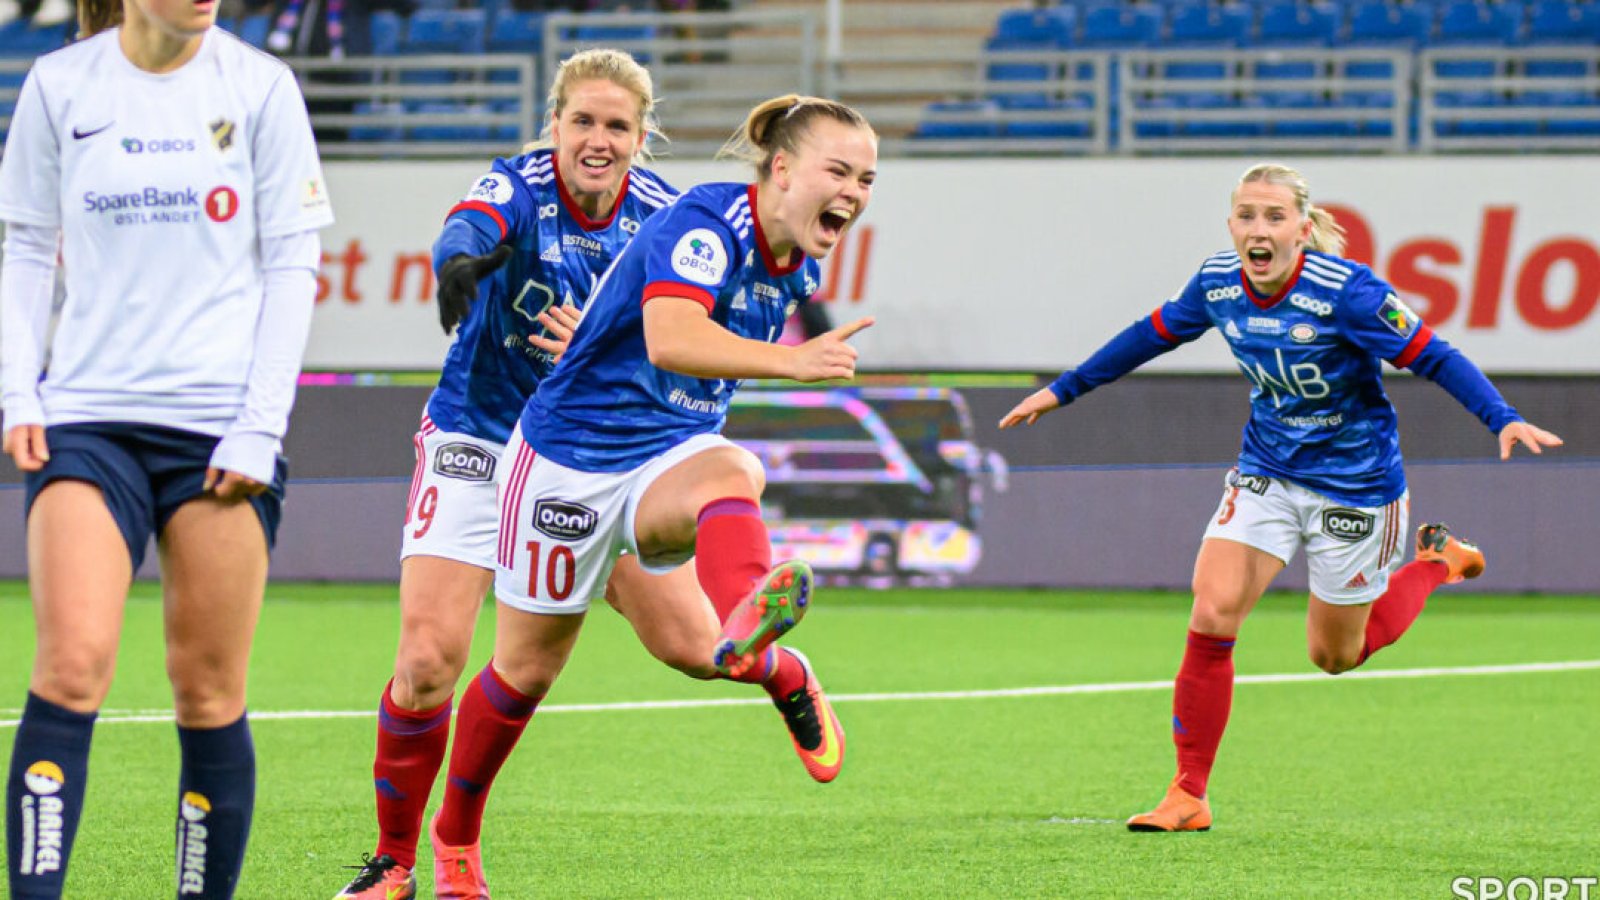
44	796
217	796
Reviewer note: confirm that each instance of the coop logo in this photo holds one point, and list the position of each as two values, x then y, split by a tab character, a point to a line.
699	257
563	520
1348	525
1233	292
629	226
547	211
1311	304
192	835
1525	887
41	819
132	145
467	462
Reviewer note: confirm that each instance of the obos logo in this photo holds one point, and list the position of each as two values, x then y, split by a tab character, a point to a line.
467	462
564	520
492	188
1233	292
44	778
192	833
699	257
41	819
1348	525
1311	304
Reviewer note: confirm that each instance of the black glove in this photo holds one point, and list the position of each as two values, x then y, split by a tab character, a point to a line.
458	283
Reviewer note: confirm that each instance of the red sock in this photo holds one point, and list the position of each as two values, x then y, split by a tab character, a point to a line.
411	747
731	551
779	673
491	719
1400	605
1201	700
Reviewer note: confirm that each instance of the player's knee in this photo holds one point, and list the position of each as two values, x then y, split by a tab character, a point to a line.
1217	608
743	475
77	681
427	670
693	661
1333	661
207	697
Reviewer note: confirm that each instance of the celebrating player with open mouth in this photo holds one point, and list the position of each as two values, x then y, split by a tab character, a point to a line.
1320	466
619	452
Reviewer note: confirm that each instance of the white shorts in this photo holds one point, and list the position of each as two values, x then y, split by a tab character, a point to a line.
452	512
1350	550
561	530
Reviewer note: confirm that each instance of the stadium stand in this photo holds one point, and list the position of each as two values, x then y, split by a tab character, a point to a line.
985	77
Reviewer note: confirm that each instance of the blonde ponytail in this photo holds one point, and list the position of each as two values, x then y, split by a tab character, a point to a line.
780	124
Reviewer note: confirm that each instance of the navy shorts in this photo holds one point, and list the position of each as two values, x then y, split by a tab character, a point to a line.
145	473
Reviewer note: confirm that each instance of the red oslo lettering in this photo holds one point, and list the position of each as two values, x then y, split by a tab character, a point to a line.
1494	243
405	262
1534	304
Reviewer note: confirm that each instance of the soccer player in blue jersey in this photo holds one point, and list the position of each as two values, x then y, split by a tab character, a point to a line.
532	237
173	166
619	450
1320	467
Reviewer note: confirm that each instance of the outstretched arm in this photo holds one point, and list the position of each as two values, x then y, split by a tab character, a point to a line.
1449	368
681	337
1133	347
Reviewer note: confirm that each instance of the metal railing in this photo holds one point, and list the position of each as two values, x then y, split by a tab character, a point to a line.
1543	98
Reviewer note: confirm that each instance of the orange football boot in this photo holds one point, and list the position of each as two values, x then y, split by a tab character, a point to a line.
813	727
1435	543
1179	810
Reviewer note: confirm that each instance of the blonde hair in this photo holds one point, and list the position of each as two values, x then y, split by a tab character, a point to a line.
780	124
1327	235
600	64
95	16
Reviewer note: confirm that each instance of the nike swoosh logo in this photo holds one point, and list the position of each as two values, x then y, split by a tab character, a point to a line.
80	135
1184	820
394	892
830	743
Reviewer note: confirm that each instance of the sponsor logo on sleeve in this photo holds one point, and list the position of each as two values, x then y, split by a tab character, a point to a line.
315	196
1399	317
564	520
491	188
700	257
463	461
1348	525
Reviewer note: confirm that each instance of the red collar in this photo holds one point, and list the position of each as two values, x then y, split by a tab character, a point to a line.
576	211
1269	302
795	257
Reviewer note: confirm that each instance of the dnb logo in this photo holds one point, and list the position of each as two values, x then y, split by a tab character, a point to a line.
1348	525
467	462
563	520
41	818
192	834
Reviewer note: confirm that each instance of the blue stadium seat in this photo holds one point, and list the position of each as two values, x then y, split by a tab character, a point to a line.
1120	25
452	132
935	129
1287	23
1564	22
18	38
253	30
1384	23
387	28
446	31
1478	22
517	32
1206	24
1035	28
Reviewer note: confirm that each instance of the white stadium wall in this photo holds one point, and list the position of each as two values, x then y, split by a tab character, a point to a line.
1030	264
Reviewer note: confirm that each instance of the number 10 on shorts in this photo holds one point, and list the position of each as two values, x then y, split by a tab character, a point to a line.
560	570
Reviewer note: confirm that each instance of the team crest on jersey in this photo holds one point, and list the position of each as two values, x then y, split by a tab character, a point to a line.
1398	316
491	188
1302	332
699	257
221	134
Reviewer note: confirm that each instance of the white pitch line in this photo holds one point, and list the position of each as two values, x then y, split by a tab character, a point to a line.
1055	690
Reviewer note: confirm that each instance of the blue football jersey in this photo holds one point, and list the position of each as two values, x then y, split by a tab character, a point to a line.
558	256
606	408
1313	352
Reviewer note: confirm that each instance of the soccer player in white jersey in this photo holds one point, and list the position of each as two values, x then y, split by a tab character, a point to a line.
1320	467
175	166
619	451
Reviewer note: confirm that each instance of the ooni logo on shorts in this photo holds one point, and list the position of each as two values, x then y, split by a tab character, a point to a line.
193	809
563	520
699	257
467	462
1348	525
41	818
